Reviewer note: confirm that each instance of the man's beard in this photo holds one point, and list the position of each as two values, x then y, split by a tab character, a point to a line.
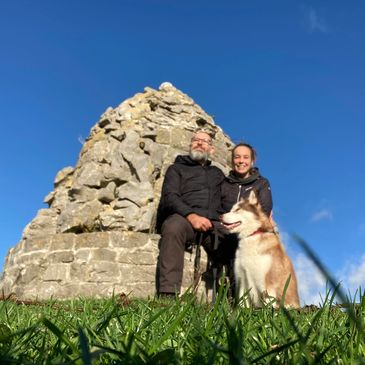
199	156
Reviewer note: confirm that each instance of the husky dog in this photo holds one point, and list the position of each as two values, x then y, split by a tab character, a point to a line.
261	265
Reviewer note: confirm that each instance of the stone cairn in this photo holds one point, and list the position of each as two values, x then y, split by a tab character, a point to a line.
97	235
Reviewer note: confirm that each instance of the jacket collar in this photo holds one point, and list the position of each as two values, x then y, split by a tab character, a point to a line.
187	160
233	178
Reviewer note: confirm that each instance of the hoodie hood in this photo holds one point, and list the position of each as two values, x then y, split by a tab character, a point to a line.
233	178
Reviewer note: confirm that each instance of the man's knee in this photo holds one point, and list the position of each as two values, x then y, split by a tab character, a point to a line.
177	226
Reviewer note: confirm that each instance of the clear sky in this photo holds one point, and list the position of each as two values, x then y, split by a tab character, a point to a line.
286	76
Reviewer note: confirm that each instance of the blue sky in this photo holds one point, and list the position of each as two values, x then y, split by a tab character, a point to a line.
286	76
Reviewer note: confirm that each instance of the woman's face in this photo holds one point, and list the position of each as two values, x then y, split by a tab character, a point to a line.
242	161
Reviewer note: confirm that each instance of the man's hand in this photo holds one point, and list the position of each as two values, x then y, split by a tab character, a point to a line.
199	223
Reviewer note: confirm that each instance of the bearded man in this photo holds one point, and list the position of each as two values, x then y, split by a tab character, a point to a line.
190	203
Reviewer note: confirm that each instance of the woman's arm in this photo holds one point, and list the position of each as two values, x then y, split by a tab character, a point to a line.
265	197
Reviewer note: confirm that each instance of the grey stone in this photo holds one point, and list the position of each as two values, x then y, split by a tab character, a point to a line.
144	224
118	134
111	219
80	217
132	240
64	241
49	198
63	175
37	244
83	254
118	171
92	240
103	254
36	257
163	136
90	174
103	271
107	194
143	258
79	272
61	256
129	271
83	194
57	272
29	273
42	224
60	199
139	193
167	86
98	152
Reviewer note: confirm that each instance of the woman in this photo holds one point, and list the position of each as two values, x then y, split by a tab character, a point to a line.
242	179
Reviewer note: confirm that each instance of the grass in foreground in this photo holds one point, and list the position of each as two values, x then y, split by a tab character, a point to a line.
178	332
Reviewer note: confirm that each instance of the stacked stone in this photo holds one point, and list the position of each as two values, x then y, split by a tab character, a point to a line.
97	235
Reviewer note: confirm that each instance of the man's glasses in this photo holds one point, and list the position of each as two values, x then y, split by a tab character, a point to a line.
201	140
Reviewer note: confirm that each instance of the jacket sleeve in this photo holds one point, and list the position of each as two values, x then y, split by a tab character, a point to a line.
229	194
265	197
171	195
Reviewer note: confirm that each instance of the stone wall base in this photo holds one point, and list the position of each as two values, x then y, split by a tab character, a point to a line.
98	265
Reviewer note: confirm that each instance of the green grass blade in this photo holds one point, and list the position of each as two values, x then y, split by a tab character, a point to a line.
59	334
275	351
85	350
173	326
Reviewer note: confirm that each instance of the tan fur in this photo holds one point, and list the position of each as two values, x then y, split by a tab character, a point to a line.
261	266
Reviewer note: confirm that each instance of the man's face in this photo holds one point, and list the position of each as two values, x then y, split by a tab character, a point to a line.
201	147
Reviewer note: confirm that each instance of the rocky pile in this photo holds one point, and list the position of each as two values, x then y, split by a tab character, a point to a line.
97	235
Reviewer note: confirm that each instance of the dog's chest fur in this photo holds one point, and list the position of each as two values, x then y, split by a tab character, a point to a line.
252	262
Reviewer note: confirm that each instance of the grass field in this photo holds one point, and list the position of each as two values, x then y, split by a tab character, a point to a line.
181	331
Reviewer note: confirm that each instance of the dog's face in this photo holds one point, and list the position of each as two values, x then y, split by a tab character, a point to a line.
244	217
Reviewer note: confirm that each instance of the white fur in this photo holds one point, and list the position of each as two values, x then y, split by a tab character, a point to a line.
250	271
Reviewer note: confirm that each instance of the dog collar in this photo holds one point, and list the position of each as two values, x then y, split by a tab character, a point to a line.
258	232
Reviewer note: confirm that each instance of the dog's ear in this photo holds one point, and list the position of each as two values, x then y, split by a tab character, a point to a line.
252	199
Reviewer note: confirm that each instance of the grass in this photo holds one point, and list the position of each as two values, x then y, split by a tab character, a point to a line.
182	331
177	332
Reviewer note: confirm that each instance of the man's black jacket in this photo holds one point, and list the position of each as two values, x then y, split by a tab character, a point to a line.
190	188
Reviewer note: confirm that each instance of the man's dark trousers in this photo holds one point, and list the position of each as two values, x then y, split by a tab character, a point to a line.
176	234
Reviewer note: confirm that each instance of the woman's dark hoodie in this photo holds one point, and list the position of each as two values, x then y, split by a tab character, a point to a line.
235	188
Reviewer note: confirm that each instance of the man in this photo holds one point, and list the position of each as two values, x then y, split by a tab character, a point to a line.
190	203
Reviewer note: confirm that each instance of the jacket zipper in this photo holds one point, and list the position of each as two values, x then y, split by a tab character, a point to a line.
207	182
239	193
